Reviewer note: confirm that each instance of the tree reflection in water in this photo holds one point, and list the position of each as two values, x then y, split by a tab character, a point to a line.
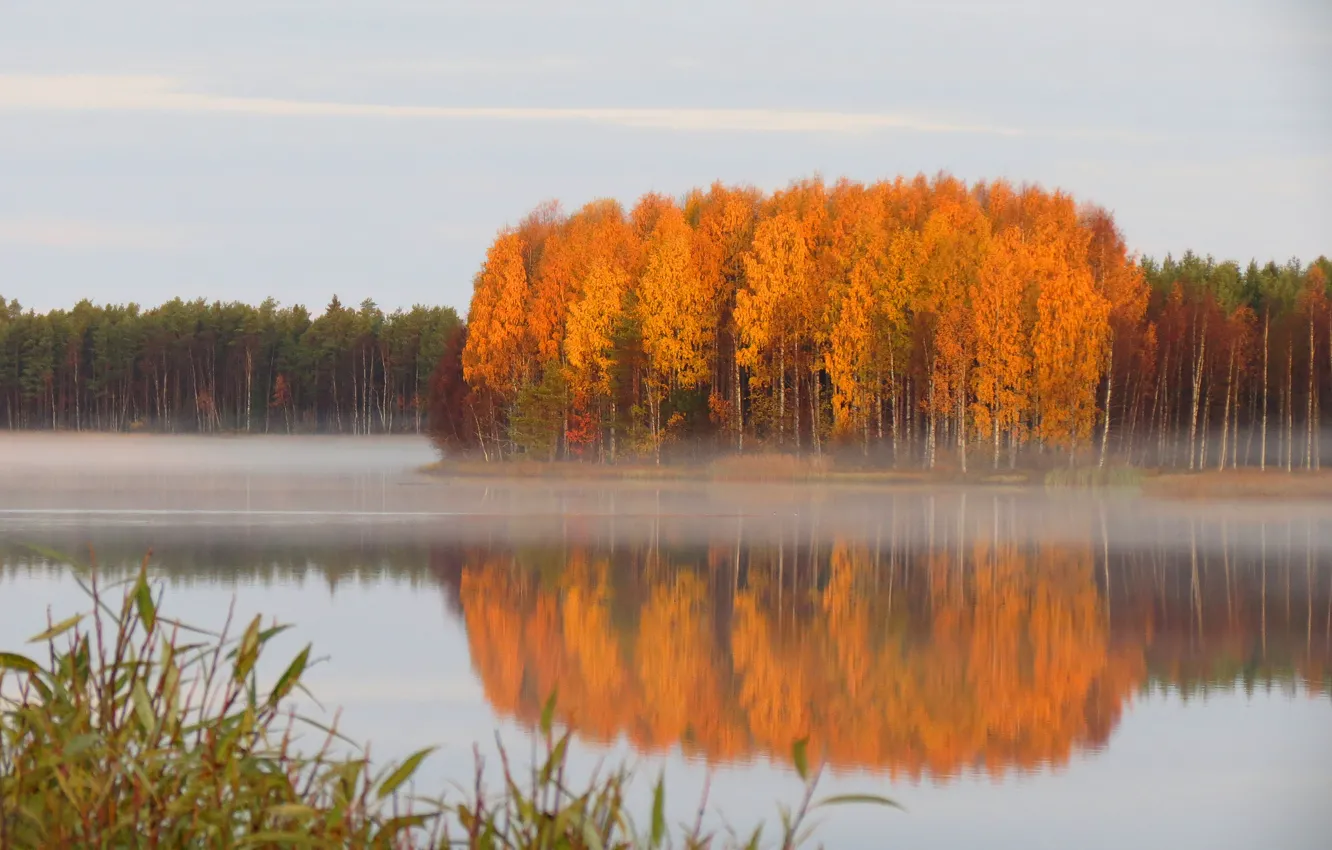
975	654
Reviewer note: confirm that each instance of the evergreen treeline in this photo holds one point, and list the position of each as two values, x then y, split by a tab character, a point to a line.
200	367
915	321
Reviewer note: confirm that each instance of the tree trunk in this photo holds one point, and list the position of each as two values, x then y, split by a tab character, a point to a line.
781	395
739	408
654	399
1152	419
930	424
386	413
795	400
878	409
994	422
1290	404
1206	423
814	413
1109	385
894	422
962	421
1309	398
1262	442
1225	419
249	386
1200	352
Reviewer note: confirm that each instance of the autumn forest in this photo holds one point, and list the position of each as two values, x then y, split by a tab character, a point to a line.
913	323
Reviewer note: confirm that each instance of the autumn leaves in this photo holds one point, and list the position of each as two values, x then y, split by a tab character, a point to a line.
912	314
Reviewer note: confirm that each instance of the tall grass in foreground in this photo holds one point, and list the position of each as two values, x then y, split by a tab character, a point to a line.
137	730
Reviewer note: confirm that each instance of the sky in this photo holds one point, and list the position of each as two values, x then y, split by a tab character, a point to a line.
372	148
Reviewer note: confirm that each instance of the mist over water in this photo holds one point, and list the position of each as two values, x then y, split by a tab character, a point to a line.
1014	666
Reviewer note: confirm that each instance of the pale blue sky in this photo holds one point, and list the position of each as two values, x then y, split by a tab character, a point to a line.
373	147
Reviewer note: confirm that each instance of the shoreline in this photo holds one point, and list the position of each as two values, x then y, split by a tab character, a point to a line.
1243	484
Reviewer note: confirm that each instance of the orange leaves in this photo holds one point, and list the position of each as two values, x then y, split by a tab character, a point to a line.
588	343
1002	376
1072	327
675	307
596	235
955	240
926	305
1115	274
603	251
776	268
937	669
723	223
499	348
860	307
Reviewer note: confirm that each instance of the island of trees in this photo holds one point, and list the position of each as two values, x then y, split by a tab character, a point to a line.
913	322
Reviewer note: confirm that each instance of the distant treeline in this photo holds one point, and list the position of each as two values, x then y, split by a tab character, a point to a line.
912	322
200	367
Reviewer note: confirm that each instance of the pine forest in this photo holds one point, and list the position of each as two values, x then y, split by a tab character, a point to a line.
200	367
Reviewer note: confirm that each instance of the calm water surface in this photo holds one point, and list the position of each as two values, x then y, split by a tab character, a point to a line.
1018	670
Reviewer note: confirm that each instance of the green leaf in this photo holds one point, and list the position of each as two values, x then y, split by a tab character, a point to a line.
800	756
268	634
56	557
868	799
143	707
556	760
290	677
143	600
403	773
57	630
548	713
327	730
659	811
291	810
10	661
393	826
590	836
80	744
248	651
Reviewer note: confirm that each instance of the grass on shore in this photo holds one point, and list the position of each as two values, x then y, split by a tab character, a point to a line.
756	468
137	730
1244	484
772	468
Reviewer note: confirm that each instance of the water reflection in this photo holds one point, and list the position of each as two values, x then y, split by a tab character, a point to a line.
985	657
933	638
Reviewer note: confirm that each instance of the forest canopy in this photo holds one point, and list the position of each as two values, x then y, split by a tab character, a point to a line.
199	367
914	321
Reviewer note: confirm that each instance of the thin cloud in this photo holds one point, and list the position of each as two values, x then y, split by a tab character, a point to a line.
83	93
74	234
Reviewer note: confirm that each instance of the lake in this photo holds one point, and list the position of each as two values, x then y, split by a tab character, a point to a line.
1018	669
